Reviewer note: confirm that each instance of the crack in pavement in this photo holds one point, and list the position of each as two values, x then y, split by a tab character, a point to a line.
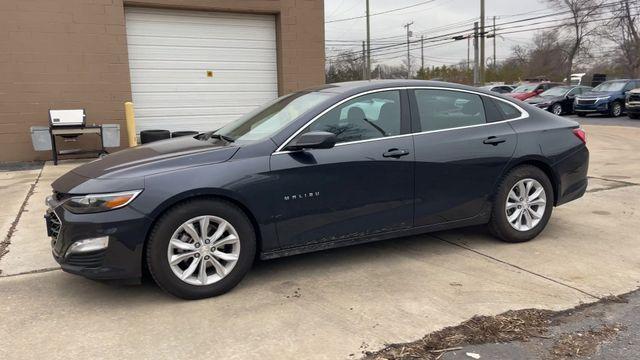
619	184
4	244
37	271
517	267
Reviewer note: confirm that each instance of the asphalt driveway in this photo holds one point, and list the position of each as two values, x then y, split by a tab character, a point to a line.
329	305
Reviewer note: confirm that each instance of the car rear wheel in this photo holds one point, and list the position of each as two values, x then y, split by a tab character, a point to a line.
522	205
201	248
556	109
616	109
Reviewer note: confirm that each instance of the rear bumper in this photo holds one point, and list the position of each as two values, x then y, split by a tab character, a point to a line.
573	179
126	230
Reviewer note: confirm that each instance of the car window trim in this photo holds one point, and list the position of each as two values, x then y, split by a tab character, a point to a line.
523	115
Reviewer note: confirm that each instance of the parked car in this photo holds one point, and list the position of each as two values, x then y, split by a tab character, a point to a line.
500	89
607	98
558	100
529	90
300	174
633	104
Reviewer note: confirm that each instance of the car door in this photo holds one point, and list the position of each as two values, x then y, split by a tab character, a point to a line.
567	103
461	151
361	187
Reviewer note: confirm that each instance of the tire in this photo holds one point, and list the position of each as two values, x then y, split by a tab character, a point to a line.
500	226
616	109
183	133
149	136
170	224
557	109
581	115
634	116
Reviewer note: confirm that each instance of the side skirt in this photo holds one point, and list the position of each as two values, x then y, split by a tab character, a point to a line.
480	219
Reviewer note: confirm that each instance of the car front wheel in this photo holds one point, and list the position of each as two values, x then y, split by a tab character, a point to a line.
522	205
616	109
201	248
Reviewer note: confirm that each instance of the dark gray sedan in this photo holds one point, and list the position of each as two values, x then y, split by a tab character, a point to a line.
337	165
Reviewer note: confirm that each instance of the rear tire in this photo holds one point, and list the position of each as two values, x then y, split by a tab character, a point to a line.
160	248
581	115
501	226
634	116
556	109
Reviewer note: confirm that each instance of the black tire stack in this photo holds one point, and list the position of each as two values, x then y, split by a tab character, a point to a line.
149	136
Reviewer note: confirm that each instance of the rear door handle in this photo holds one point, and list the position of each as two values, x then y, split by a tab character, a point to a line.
495	141
396	153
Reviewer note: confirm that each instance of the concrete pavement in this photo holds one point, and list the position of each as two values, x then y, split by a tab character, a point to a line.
333	304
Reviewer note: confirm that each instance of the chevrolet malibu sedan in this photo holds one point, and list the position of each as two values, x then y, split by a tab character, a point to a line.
333	166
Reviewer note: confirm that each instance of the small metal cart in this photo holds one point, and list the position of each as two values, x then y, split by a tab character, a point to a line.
71	124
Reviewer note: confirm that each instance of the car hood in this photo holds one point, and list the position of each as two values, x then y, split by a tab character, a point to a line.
160	156
543	99
598	94
521	95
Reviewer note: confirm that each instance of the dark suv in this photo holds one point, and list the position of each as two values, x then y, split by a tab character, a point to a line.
607	98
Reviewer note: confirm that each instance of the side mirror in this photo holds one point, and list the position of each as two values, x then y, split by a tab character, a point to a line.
313	140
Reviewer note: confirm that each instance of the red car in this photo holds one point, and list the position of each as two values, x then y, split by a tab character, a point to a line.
529	90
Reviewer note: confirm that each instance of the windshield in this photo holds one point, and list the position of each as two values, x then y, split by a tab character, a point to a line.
525	88
556	91
610	86
272	117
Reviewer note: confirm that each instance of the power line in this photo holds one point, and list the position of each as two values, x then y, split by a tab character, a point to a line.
380	13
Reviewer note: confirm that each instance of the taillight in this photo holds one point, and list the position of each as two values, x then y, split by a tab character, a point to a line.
580	134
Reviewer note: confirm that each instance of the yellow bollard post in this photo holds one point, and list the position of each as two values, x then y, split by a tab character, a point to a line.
131	123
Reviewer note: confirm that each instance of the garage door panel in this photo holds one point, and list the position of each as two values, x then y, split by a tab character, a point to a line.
199	42
199	77
170	53
245	64
138	52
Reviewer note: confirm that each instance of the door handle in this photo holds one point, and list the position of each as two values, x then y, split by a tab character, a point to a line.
396	153
495	141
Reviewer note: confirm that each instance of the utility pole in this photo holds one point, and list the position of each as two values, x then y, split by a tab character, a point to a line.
408	26
368	77
422	52
364	62
476	70
468	52
495	59
482	55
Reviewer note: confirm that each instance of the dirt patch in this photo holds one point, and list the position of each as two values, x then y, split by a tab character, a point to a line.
518	325
581	344
511	326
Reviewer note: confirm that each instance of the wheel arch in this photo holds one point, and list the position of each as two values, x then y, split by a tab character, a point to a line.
211	194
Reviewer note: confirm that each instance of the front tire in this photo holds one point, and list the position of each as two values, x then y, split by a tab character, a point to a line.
201	248
522	205
616	109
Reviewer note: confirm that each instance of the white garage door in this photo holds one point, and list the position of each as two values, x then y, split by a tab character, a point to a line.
195	70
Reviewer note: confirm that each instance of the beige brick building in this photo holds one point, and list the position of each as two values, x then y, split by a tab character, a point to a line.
97	54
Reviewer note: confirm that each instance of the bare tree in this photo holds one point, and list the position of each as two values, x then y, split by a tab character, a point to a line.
582	13
623	29
346	66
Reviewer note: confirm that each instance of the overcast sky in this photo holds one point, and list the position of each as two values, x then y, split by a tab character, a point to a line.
434	18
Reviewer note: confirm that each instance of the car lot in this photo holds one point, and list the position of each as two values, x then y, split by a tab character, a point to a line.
332	304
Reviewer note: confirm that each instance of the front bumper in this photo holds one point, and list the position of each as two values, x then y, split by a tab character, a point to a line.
125	228
599	107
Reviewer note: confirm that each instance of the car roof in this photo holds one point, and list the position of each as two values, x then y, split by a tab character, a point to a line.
366	85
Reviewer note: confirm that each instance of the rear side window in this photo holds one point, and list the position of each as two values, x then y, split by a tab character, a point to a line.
447	109
508	111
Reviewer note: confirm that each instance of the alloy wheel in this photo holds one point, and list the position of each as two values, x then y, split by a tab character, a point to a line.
526	204
203	250
557	109
617	109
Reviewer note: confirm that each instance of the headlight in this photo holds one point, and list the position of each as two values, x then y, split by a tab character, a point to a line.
94	203
604	98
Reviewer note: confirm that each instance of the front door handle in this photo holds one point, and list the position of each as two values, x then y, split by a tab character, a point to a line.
396	153
495	141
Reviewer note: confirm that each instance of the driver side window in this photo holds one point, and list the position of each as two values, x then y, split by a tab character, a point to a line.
366	117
